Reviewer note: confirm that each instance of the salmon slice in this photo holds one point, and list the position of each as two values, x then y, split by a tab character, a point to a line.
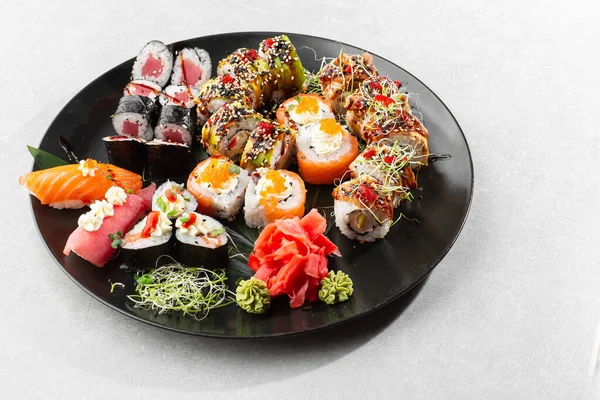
66	187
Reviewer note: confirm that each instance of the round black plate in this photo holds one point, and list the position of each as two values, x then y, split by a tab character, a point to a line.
381	272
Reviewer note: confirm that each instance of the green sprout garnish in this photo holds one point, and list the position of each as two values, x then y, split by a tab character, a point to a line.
185	218
113	285
129	191
116	239
172	213
174	287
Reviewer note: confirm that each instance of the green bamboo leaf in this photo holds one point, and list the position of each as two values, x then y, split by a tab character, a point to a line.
45	160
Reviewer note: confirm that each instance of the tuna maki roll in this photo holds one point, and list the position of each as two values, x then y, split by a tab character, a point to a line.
270	145
173	200
219	186
227	130
126	152
178	95
176	124
192	68
201	241
142	88
168	160
154	63
143	246
135	116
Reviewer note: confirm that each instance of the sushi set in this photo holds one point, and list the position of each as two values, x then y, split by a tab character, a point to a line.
280	175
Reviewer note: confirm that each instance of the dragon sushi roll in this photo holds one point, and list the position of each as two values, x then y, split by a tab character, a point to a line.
142	88
343	75
176	124
173	200
247	66
135	116
192	68
325	151
390	164
168	160
219	186
220	91
287	72
143	246
272	195
227	130
269	145
362	211
201	241
303	109
126	152
154	63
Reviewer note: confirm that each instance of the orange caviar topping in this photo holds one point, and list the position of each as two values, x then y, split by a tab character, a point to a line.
276	186
216	173
331	127
307	104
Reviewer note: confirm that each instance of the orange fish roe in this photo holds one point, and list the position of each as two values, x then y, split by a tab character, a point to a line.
277	186
331	127
216	173
307	104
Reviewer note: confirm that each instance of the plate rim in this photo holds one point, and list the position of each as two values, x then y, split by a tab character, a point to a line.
393	298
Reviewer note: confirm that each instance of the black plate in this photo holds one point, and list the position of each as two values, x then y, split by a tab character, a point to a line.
382	271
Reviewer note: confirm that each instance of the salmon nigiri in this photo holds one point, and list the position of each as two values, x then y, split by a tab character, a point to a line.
77	185
325	151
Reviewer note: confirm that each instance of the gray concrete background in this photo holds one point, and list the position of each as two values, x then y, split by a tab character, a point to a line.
513	310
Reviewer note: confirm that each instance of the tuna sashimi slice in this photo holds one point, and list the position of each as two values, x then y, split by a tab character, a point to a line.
95	247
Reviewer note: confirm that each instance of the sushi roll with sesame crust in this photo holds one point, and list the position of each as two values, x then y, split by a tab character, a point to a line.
287	72
227	130
325	151
362	211
246	65
219	186
220	91
272	195
303	109
270	145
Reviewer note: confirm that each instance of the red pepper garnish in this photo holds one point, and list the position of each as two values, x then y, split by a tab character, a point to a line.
366	194
227	79
232	143
251	55
389	159
375	85
348	69
386	101
398	83
172	197
191	221
151	222
369	154
269	42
